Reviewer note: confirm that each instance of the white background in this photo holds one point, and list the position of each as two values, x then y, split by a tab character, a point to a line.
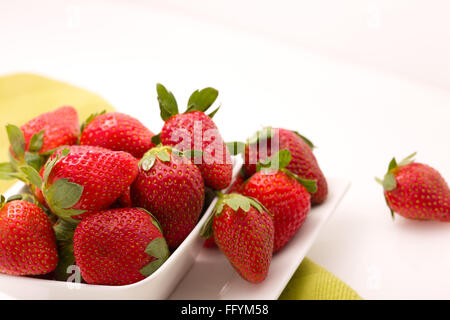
364	80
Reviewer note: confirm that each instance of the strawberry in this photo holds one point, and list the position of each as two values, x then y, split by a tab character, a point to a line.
117	131
77	149
416	191
244	231
76	183
119	246
60	127
27	240
194	130
171	188
73	149
31	144
303	163
210	242
284	194
236	187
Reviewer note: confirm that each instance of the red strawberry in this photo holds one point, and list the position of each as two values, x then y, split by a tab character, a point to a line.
27	240
73	149
194	130
78	149
119	246
238	184
80	182
61	127
284	195
236	187
210	243
31	143
172	189
117	131
303	163
416	191
244	231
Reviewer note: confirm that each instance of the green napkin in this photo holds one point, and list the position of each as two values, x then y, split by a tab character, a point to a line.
24	96
312	282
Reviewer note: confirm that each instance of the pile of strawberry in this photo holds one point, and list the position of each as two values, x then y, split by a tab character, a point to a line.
114	199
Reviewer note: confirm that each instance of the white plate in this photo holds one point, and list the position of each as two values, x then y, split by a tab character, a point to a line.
212	276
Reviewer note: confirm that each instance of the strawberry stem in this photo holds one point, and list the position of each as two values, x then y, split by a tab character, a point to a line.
310	185
409	159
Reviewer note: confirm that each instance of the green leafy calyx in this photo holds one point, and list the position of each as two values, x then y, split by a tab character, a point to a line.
62	194
36	142
307	141
156	139
213	113
201	100
389	182
159	250
310	185
161	152
31	175
167	102
23	163
8	172
17	140
236	202
277	161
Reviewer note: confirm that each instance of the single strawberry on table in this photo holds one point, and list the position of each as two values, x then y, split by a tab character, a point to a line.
171	187
27	239
416	191
264	143
244	231
117	131
284	194
195	130
119	246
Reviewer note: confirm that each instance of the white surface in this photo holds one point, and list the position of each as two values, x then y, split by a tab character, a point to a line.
213	278
360	115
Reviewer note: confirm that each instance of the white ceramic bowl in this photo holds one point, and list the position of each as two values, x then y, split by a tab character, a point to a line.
159	285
